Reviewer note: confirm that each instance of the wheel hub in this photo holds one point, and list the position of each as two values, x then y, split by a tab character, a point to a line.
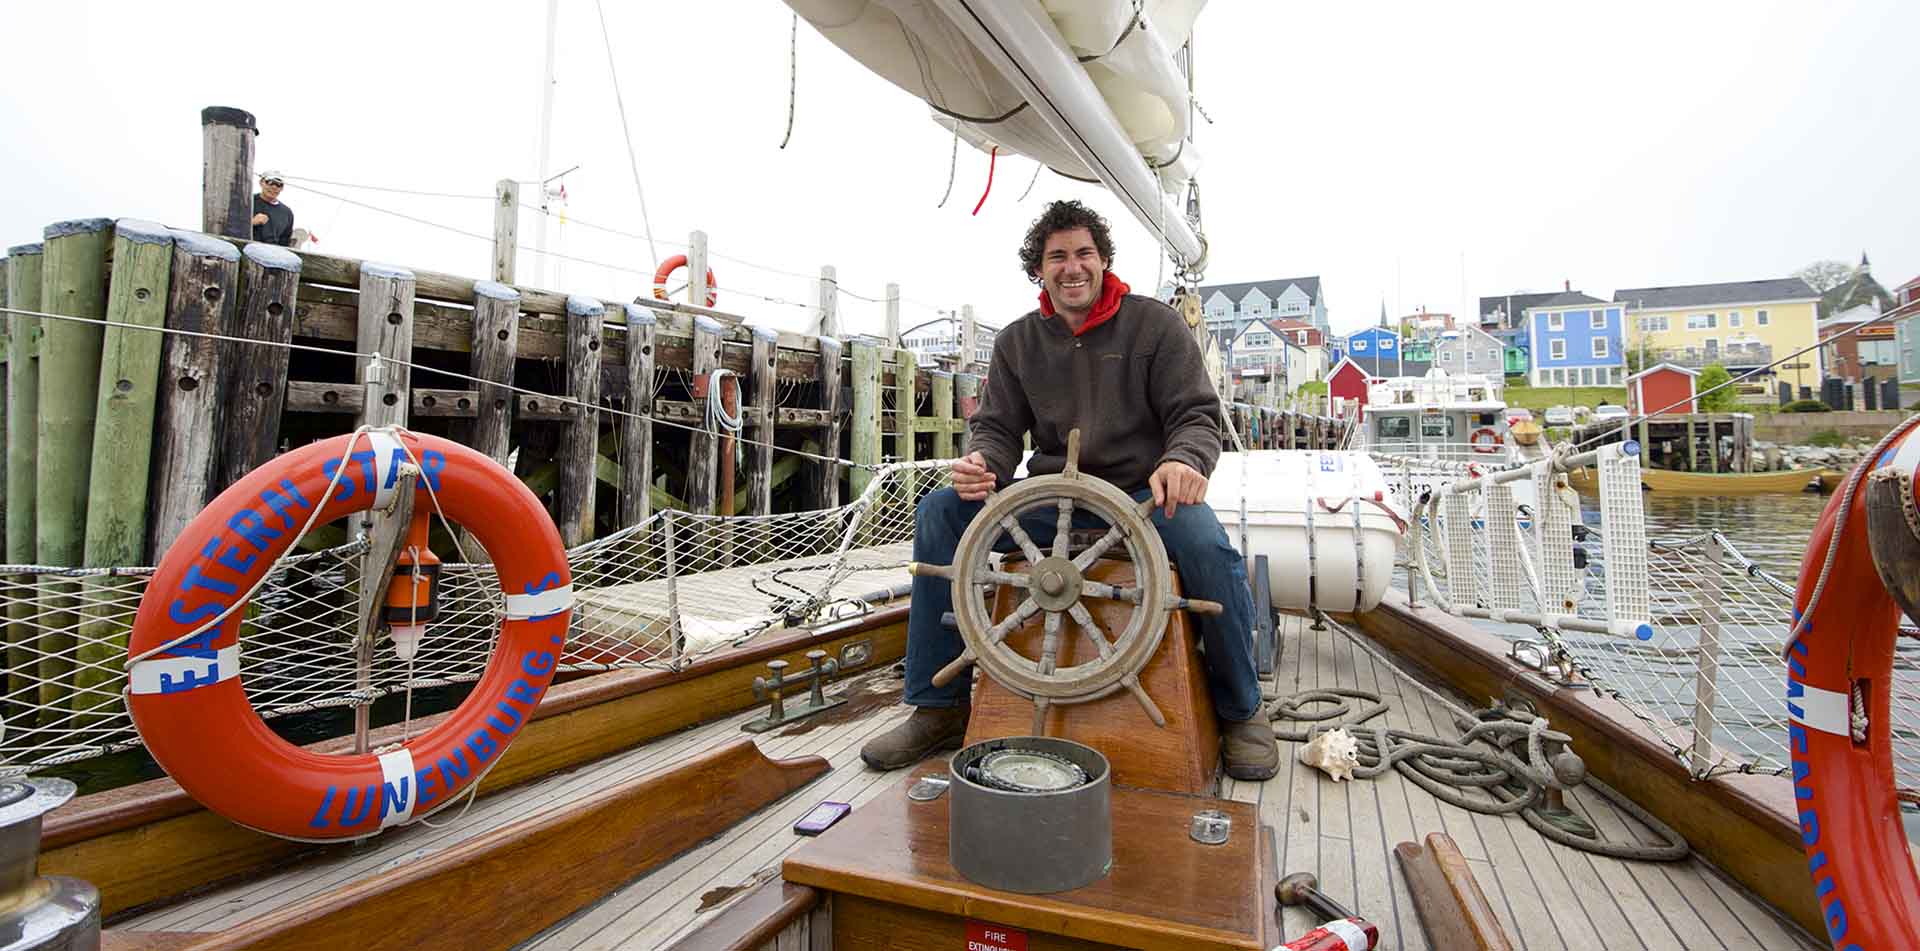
1056	584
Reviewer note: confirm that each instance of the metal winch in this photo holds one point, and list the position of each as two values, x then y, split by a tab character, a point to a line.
1030	814
54	912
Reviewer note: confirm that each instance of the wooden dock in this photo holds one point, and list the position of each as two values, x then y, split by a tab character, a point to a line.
1686	442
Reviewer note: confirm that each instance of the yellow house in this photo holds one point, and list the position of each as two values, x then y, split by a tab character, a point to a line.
1742	326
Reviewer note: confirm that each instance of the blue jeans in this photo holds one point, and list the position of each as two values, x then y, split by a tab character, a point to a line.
1209	566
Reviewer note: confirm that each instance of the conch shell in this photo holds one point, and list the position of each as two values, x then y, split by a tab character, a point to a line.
1334	752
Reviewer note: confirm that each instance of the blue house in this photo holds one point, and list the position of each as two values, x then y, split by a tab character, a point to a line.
1373	346
1576	340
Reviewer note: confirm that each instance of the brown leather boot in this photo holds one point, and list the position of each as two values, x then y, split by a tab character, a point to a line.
1250	749
927	730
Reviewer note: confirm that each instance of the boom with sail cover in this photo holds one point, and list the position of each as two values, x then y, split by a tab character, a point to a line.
1089	88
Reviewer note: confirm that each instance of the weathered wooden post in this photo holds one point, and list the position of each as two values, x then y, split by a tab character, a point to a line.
636	442
831	366
943	418
827	315
892	318
969	339
116	518
386	328
496	337
1692	444
697	288
226	172
255	374
73	284
906	428
866	415
192	410
580	443
703	458
506	229
23	440
762	421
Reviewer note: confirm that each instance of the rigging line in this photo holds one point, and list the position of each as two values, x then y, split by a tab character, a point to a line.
559	398
385	188
793	76
993	159
620	103
1747	375
1037	166
953	163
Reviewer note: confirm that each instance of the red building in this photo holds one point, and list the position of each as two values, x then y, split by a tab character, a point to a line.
1662	388
1348	381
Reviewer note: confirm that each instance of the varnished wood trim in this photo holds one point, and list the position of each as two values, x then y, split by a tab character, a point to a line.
755	919
500	888
112	940
1743	824
151	842
1453	910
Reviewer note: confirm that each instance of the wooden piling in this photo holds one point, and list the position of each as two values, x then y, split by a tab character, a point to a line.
762	422
1692	452
866	415
192	410
116	517
23	439
969	339
890	323
906	420
943	416
506	229
496	334
255	374
74	284
636	442
831	368
573	502
827	315
226	183
703	458
385	327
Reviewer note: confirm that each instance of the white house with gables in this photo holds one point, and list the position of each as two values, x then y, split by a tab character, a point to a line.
1261	350
1229	307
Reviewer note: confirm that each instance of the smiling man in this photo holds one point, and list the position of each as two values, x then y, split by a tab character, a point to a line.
1126	372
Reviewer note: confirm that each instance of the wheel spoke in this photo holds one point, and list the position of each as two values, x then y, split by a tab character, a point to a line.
1020	536
1020	615
1094	633
1112	592
1011	579
1091	555
1063	528
1050	645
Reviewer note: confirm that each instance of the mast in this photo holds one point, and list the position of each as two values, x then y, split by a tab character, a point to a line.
546	145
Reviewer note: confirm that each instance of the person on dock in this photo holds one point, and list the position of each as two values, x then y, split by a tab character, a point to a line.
272	219
1125	371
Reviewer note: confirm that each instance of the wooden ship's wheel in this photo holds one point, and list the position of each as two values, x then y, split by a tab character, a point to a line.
1056	585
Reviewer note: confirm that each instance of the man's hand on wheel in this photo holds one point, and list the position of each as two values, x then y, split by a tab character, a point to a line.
1175	484
973	480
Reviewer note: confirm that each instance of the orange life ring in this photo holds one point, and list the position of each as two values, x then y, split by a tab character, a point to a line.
673	264
1844	788
1489	444
187	700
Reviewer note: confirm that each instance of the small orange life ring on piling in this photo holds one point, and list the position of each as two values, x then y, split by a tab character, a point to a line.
1485	439
185	691
673	264
1839	702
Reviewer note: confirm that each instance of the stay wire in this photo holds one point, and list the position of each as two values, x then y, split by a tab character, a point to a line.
620	103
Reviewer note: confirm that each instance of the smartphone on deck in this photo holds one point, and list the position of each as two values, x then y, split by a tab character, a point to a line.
823	816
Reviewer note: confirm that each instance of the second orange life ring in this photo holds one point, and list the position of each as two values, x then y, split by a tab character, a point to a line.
673	264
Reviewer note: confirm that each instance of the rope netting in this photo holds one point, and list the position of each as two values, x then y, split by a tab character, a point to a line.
657	595
1710	684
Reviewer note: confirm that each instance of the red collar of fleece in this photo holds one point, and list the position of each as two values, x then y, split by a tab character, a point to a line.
1111	290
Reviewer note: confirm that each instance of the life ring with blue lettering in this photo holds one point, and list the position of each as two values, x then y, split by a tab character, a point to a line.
185	691
1839	700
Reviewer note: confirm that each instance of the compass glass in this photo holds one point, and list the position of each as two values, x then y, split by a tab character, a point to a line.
1028	771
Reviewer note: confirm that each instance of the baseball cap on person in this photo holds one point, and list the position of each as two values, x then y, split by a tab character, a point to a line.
273	176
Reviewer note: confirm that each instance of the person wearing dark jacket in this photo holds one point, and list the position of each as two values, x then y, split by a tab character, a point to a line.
1126	372
272	219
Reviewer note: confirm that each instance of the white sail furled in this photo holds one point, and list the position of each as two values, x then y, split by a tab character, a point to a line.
1089	88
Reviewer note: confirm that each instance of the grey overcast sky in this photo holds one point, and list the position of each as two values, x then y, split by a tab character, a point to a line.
1416	154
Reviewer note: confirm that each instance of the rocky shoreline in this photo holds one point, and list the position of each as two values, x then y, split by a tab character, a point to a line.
1774	457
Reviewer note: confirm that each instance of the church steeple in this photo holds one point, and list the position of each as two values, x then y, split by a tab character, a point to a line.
1865	268
1383	313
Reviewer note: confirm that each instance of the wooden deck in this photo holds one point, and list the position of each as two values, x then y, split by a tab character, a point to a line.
1548	896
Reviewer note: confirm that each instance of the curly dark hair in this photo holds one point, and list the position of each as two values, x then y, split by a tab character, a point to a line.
1063	216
